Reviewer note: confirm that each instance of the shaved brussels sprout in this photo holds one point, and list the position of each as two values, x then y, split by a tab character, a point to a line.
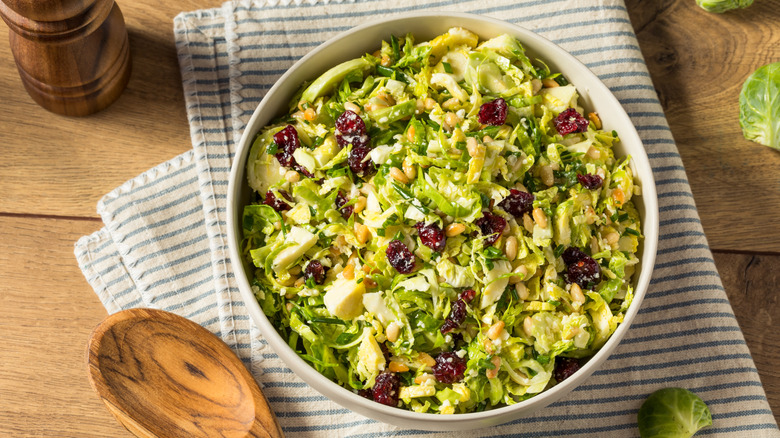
720	6
759	106
672	413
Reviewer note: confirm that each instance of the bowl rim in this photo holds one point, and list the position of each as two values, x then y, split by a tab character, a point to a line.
343	396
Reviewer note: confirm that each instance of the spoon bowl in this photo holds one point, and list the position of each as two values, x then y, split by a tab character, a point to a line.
162	375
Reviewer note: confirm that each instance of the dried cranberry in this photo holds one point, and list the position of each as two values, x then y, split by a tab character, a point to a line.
491	226
449	367
584	272
287	142
346	212
386	388
303	170
359	162
316	271
564	368
431	236
456	317
570	121
572	254
366	393
448	326
457	340
350	128
517	203
467	295
276	203
493	113
590	182
399	257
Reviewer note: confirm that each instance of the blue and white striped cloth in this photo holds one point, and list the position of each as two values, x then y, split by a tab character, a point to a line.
164	244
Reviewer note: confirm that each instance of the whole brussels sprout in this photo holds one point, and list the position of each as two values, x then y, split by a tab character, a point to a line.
721	6
759	106
672	413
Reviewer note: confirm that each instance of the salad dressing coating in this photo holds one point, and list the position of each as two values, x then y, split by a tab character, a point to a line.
439	226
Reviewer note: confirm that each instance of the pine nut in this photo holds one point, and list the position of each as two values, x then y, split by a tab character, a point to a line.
472	146
363	234
528	224
528	326
419	106
398	175
595	119
397	367
612	238
594	153
454	229
489	347
429	104
576	293
360	204
450	103
540	217
292	176
550	83
546	173
310	114
423	378
369	282
451	120
350	106
522	291
519	274
289	306
410	133
409	170
511	248
426	359
349	272
386	61
495	330
491	374
299	282
486	139
277	225
393	331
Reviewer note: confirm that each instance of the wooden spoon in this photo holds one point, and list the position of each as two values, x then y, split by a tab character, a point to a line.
162	375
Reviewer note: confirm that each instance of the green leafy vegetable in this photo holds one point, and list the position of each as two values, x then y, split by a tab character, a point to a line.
759	106
328	270
672	413
720	6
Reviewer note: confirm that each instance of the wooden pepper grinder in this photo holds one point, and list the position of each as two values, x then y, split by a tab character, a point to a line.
73	55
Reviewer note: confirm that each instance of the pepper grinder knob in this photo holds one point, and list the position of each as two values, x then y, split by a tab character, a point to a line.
73	55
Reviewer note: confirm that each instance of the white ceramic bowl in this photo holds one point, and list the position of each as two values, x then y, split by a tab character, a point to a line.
595	96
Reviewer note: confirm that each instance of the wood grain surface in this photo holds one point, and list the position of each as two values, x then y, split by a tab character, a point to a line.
72	56
164	376
54	170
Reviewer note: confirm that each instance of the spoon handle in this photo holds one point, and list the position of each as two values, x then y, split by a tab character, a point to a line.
162	375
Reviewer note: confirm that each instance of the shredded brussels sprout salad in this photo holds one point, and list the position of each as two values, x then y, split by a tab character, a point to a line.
437	226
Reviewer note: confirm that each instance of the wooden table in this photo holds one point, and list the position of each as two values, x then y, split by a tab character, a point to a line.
54	169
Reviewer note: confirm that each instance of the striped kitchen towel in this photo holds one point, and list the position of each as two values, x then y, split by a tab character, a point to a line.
164	244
